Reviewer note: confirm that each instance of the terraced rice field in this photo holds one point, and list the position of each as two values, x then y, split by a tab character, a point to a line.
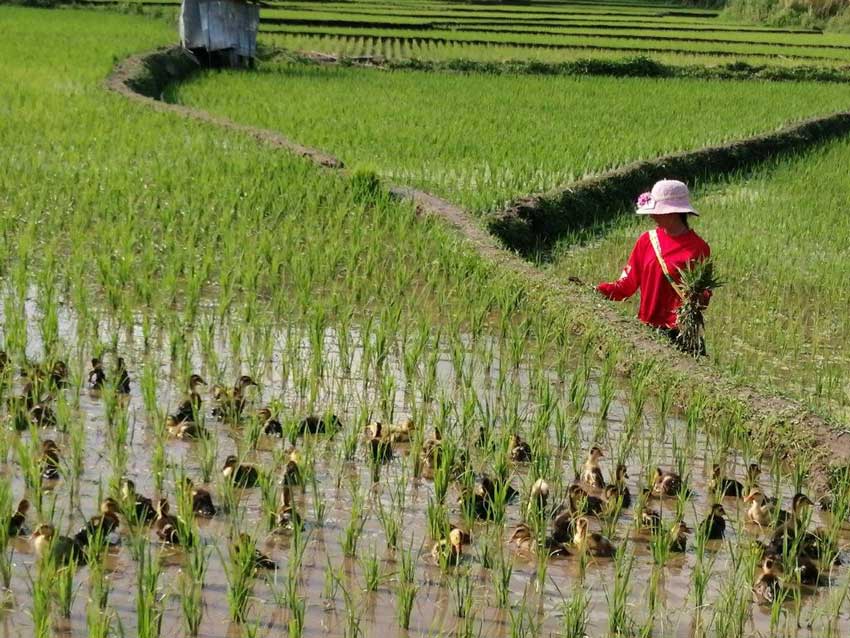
184	248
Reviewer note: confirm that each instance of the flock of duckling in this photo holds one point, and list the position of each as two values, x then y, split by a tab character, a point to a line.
790	543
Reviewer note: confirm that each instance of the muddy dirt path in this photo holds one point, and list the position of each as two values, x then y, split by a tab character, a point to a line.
781	425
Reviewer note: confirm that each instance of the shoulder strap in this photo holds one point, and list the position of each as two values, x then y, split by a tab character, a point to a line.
656	246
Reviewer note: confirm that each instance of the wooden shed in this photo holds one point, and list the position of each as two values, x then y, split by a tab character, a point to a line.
220	32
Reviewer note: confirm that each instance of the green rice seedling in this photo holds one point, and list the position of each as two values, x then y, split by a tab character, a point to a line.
41	597
353	615
5	517
371	567
269	498
297	608
696	280
460	586
619	621
574	613
390	522
208	457
354	528
319	504
407	564
148	602
332	580
502	574
98	621
65	590
405	597
239	572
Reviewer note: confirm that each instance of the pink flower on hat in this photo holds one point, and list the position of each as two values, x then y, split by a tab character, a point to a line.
645	200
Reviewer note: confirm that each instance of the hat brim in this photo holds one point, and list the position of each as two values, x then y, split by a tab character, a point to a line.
667	208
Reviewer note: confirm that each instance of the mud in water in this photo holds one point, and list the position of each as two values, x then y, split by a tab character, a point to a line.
355	396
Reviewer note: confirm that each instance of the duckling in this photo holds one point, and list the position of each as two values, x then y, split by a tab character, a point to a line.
287	517
563	527
63	550
42	415
318	425
403	432
723	485
202	503
101	525
792	525
123	384
650	519
242	474
525	539
449	550
163	517
49	460
58	376
713	526
169	533
292	474
583	503
231	402
184	430
97	377
191	405
432	447
761	510
593	543
539	495
679	537
613	500
139	508
520	451
666	483
808	571
244	543
752	478
380	447
620	476
18	521
768	586
271	426
591	473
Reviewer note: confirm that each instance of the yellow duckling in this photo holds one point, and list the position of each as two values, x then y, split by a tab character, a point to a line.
761	510
403	432
183	430
525	539
593	543
769	585
449	551
62	550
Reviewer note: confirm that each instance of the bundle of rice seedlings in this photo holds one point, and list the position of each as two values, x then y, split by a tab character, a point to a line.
697	279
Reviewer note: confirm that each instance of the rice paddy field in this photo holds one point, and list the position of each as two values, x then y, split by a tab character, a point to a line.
395	435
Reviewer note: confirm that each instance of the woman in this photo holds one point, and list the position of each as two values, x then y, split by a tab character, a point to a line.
658	256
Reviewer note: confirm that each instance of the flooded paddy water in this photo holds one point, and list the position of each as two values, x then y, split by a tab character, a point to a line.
470	388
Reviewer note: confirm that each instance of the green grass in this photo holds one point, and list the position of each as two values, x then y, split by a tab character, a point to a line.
779	238
430	130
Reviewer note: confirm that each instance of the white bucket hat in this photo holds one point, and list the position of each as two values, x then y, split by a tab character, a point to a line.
667	196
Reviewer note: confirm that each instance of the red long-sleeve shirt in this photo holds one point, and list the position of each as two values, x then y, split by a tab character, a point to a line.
658	300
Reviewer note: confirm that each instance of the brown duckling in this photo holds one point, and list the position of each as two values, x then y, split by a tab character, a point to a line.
169	533
63	550
319	425
525	539
622	490
379	445
449	551
42	415
244	543
724	486
58	377
191	405
679	537
97	376
520	451
650	519
101	525
403	432
137	507
431	448
18	521
49	460
292	474
792	525
202	502
271	426
591	473
163	516
593	543
768	586
666	483
287	517
563	527
713	526
123	384
583	503
183	430
230	402
241	474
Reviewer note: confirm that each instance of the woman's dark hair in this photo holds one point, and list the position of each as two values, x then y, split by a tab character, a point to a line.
684	218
